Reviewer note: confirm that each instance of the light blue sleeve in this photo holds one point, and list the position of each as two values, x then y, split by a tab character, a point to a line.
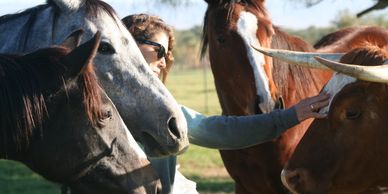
237	132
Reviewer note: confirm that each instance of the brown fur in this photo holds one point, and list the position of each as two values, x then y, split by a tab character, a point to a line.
346	39
346	153
256	169
25	81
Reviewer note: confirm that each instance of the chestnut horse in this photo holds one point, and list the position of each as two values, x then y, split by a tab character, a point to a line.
59	122
248	82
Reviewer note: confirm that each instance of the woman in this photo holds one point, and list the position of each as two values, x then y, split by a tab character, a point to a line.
156	42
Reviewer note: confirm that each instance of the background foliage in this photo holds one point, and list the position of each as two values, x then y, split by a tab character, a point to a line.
187	48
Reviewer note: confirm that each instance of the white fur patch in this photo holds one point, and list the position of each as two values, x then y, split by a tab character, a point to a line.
247	26
69	5
335	85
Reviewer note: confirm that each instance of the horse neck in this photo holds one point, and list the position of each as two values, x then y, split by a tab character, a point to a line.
18	28
295	82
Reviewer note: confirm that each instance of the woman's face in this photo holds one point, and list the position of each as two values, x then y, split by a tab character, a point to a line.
150	52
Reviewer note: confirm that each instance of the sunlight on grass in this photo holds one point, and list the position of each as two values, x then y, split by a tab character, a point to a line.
189	89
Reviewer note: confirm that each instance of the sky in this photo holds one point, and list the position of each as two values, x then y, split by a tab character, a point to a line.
284	13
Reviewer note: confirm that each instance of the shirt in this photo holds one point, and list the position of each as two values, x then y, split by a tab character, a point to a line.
225	133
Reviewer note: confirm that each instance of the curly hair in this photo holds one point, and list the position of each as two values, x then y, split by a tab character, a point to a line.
145	26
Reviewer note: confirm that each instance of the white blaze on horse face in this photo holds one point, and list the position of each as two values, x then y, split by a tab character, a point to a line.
247	26
335	85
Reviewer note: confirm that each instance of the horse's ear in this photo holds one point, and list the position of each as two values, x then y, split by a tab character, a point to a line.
81	57
69	5
73	40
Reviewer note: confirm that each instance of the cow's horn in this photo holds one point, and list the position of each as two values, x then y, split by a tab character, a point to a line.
378	73
305	59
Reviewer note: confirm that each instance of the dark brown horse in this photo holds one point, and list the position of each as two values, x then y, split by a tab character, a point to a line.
248	82
59	122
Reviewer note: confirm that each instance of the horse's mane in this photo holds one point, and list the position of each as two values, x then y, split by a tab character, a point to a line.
257	4
92	7
303	78
23	103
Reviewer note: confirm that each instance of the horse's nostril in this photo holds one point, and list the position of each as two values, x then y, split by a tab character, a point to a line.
172	126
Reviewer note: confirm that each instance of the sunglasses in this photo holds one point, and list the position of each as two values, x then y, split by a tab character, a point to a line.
161	51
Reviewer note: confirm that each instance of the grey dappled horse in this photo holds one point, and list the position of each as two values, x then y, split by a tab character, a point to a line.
58	121
148	109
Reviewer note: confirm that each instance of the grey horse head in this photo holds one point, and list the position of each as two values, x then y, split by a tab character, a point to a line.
147	108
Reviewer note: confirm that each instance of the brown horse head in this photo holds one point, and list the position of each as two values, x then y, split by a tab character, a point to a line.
249	82
230	27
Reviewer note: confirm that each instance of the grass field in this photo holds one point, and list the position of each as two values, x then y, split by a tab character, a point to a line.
204	166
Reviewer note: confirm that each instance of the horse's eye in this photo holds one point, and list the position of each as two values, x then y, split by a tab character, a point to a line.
106	48
107	114
221	39
353	113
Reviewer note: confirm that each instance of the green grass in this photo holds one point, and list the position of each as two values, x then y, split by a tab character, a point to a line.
15	178
201	165
190	89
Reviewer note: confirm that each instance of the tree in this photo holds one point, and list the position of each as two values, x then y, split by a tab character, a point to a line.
380	4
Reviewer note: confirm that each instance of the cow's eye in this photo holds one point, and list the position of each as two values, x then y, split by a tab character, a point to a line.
106	48
353	113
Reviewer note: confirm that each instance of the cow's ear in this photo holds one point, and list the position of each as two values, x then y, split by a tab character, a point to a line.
69	5
79	58
73	40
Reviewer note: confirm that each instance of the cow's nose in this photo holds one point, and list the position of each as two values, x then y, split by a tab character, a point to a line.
292	179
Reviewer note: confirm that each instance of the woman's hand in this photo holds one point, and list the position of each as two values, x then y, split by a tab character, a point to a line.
307	108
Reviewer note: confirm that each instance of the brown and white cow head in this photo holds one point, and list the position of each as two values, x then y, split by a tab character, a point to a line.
346	153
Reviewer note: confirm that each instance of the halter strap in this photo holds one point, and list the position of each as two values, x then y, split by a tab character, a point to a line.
84	168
